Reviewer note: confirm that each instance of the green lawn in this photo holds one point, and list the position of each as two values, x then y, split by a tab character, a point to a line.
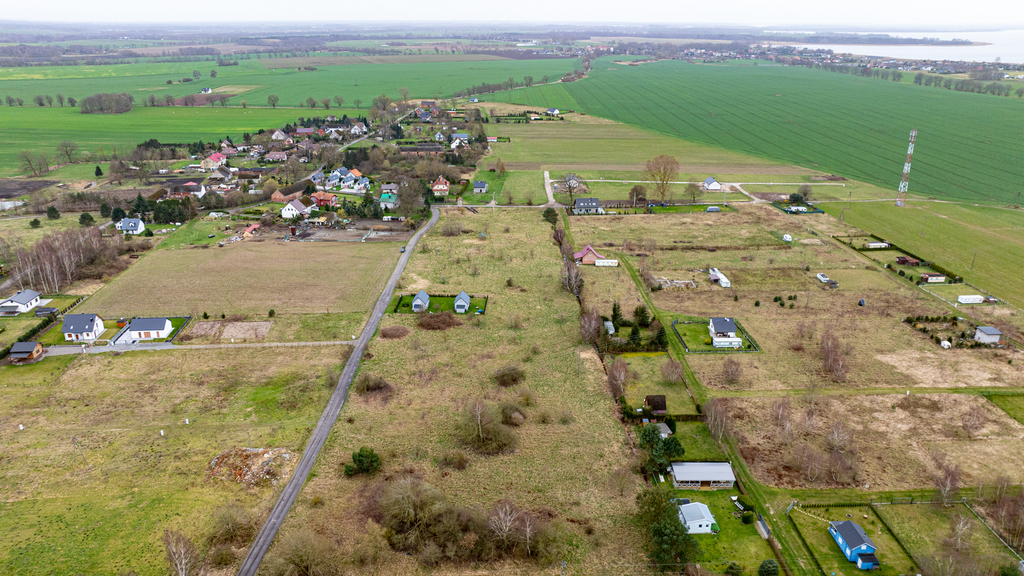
992	239
851	126
437	303
923	527
12	328
700	446
697	337
647	366
735	542
815	531
196	233
1012	405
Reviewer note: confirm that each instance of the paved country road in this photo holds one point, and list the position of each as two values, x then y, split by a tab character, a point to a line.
323	427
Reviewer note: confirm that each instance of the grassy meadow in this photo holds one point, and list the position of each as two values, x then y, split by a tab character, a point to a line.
568	444
111	497
250	278
854	127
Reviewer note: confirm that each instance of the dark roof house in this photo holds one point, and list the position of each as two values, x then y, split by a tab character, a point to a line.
657	404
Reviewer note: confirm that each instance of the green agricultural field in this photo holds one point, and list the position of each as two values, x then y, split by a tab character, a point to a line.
254	79
1012	405
925	228
967	146
923	528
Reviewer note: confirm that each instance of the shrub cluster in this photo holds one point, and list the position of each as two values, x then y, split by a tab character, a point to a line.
442	321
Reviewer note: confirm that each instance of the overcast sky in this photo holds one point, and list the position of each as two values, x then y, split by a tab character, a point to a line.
890	14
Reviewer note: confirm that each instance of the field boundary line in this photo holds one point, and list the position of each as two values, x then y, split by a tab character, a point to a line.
291	490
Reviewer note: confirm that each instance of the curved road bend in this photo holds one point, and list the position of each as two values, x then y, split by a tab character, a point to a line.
323	427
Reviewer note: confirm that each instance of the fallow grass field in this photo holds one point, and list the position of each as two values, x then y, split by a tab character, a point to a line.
568	444
17	230
851	126
250	278
992	239
92	469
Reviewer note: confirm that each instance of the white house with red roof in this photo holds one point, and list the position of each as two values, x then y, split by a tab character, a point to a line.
215	160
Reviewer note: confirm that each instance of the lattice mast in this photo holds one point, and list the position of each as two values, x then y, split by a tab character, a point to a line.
901	196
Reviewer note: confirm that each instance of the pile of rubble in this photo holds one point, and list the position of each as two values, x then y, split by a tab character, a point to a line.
252	466
666	283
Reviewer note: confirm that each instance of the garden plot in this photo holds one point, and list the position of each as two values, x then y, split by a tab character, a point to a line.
813	524
647	379
246	330
888	432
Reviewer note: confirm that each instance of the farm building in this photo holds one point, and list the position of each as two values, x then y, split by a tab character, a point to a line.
23	301
25	352
907	261
716	277
723	333
987	335
970	299
587	206
82	327
697	518
462	303
855	544
932	277
877	245
420	302
479	187
149	328
698	475
440	187
712	184
657	404
588	255
133	226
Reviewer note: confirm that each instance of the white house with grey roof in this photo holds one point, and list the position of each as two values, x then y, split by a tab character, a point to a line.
723	333
421	302
23	301
134	226
149	328
712	184
462	303
987	335
698	475
82	327
587	206
697	518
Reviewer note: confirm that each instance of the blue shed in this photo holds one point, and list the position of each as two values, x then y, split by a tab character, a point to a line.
854	543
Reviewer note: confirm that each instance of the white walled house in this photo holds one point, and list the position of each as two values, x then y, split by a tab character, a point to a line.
82	327
698	475
149	328
711	184
23	301
723	333
987	335
421	302
697	518
134	226
295	208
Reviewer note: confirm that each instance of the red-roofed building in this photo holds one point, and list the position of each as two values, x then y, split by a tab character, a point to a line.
588	255
324	199
215	160
440	187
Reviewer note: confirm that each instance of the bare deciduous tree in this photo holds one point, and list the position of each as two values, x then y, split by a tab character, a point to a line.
572	278
960	530
732	371
529	526
662	171
404	93
672	371
620	480
502	521
834	356
973	420
948	478
618	377
839	437
590	326
780	411
811	462
181	553
326	103
67	149
716	416
338	100
840	467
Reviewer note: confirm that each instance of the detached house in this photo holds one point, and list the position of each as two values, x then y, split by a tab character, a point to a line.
588	255
479	187
23	301
297	207
697	518
358	129
388	201
987	335
82	327
324	199
440	186
215	160
149	328
421	302
133	226
711	184
854	543
276	156
462	303
278	135
723	333
587	206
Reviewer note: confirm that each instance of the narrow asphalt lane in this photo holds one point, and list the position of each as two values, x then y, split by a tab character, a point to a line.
334	405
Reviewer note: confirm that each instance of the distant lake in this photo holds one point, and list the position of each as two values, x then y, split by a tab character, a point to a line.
1008	45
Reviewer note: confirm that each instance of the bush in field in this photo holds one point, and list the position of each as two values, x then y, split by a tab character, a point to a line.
512	415
394	332
550	215
481	428
365	461
768	568
305	552
232	525
509	376
366	383
451	229
442	321
455	459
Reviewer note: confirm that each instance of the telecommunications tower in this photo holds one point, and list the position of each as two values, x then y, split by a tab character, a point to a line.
901	196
